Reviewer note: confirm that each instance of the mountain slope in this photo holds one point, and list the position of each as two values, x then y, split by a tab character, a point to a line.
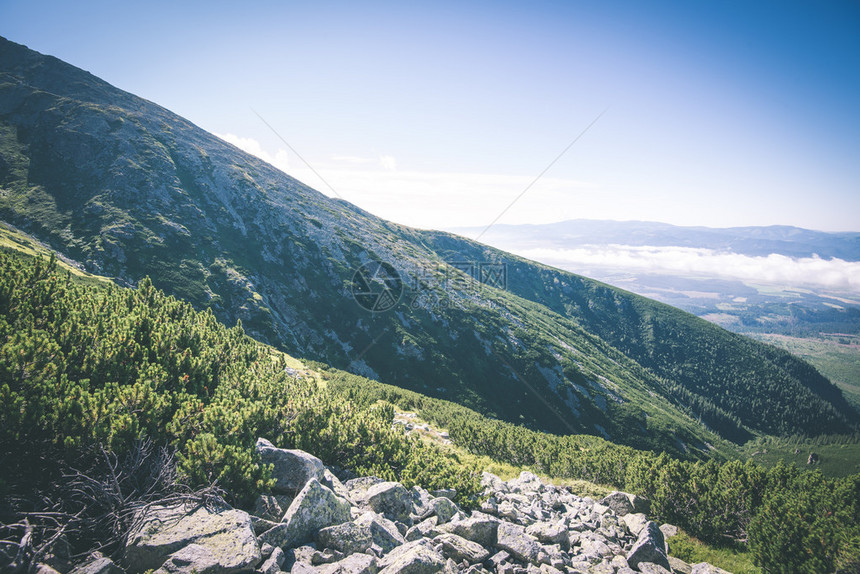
130	189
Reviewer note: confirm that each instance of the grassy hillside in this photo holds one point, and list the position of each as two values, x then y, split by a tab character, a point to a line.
836	356
92	372
131	190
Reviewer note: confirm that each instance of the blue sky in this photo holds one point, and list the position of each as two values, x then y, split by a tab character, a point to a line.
440	114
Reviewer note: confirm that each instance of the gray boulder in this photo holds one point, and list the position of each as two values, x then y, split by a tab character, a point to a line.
272	506
353	564
479	527
273	563
705	568
292	469
222	538
513	538
679	566
348	537
458	548
417	557
450	493
635	522
390	499
650	547
303	568
669	530
619	502
443	508
336	486
358	487
651	568
383	532
422	529
550	533
98	565
315	508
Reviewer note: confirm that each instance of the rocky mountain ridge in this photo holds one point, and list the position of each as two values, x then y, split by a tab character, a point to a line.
131	190
314	523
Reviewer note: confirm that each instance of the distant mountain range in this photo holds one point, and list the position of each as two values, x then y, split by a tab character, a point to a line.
129	190
752	241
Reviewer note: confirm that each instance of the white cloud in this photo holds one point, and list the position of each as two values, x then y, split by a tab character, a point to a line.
773	269
388	162
280	159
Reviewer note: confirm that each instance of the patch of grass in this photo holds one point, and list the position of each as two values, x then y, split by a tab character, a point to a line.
838	456
12	239
692	551
502	469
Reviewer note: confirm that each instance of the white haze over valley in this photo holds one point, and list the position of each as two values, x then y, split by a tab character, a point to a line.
772	269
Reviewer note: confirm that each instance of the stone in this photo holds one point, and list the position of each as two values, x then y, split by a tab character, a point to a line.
651	568
336	486
458	548
303	554
442	507
450	493
42	568
526	482
649	547
417	557
353	564
420	499
384	533
222	538
99	565
315	508
619	502
327	556
358	487
678	566
272	506
548	569
705	568
422	529
348	537
550	533
595	549
499	557
491	482
292	469
635	522
513	538
260	525
390	499
479	527
303	568
273	563
669	530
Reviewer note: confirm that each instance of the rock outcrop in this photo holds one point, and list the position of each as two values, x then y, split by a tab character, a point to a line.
370	526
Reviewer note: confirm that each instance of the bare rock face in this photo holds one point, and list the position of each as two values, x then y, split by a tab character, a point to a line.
315	507
650	547
390	499
419	557
292	469
188	538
